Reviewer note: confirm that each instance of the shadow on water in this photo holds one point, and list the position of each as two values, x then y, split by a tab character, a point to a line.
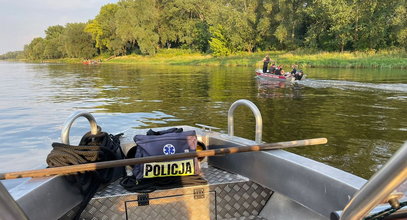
361	112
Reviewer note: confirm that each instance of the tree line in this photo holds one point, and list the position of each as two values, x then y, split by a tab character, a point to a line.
223	27
12	55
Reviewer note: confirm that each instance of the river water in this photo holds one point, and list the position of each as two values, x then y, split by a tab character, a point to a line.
362	112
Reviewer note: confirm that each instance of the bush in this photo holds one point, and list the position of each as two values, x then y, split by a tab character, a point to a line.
218	43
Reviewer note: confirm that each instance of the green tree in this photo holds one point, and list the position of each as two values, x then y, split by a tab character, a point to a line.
245	23
53	32
35	49
136	22
201	37
12	55
331	24
288	20
281	34
219	43
77	42
103	30
53	43
264	34
225	27
372	23
182	23
399	24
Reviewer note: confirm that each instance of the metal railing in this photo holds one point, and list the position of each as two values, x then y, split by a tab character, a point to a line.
69	121
257	115
379	187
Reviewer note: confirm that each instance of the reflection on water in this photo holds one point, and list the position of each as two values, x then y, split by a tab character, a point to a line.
278	89
361	112
351	85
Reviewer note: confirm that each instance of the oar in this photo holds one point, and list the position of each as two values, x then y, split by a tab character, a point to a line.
65	170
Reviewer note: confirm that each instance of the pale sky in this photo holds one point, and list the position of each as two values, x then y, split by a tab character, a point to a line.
23	20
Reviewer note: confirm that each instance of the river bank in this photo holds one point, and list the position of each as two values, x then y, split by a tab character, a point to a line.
383	59
393	59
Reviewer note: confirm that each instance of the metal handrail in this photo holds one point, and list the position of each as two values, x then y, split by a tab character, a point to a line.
257	115
68	123
379	187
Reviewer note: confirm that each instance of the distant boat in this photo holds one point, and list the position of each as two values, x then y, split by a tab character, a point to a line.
270	76
90	62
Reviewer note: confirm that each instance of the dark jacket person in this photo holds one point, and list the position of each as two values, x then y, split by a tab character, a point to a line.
266	62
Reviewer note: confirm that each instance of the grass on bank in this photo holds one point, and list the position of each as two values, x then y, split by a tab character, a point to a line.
396	59
370	59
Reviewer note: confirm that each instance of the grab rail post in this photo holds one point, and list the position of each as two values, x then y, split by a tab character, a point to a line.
69	121
257	115
379	187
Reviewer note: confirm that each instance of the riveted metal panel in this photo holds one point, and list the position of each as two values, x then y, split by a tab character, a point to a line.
318	187
227	196
243	199
174	207
216	176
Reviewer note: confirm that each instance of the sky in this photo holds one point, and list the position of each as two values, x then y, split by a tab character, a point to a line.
23	20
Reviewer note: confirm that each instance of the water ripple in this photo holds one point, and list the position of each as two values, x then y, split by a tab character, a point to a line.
351	85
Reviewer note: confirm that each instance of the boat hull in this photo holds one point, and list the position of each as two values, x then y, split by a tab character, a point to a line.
90	62
273	184
273	77
294	181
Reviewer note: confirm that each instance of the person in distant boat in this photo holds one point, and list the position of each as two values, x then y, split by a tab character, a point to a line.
272	68
266	61
279	70
298	75
294	71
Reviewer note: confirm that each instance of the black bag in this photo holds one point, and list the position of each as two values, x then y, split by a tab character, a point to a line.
92	148
163	175
166	142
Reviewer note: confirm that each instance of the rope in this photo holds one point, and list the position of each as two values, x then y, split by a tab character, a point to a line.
92	148
64	155
382	214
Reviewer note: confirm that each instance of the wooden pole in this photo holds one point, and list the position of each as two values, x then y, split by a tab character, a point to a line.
66	170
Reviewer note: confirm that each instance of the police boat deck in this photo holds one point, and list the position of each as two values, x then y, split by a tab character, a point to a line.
256	185
220	198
